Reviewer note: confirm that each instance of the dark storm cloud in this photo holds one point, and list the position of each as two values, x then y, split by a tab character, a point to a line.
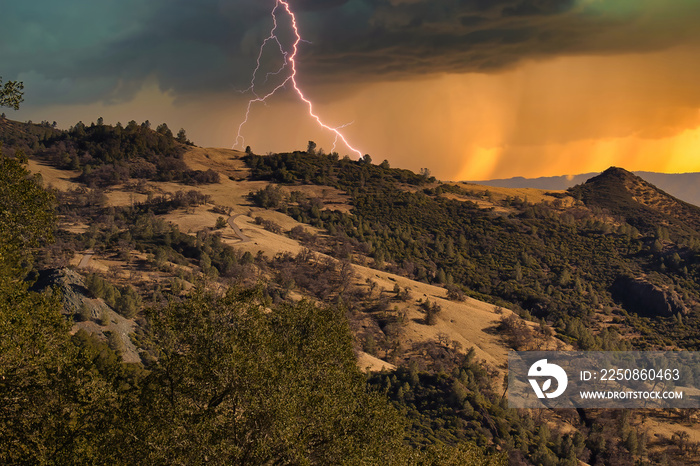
82	51
405	38
311	5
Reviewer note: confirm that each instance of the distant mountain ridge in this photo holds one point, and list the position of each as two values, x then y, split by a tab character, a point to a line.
684	186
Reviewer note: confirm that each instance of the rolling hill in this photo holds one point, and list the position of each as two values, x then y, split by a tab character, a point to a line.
435	283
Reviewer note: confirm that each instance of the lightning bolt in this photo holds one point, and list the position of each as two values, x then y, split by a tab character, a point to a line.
289	64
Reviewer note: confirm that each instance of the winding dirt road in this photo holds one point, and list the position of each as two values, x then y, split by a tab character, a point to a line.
237	230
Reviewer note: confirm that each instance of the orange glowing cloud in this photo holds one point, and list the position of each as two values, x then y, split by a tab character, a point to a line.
567	115
560	116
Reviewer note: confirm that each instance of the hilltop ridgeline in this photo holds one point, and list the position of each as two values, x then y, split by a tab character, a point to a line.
638	202
684	186
106	155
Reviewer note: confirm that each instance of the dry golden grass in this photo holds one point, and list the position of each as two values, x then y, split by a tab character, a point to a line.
226	162
77	228
467	322
496	195
119	197
368	363
532	195
53	177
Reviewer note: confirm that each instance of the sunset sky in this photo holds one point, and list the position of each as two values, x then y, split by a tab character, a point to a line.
471	89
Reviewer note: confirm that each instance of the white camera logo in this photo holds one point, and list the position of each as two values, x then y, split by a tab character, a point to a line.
542	369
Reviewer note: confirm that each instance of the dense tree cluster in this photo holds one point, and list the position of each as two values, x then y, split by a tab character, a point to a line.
107	155
125	300
329	170
27	215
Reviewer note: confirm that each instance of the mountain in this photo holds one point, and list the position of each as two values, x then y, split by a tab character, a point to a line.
638	202
685	186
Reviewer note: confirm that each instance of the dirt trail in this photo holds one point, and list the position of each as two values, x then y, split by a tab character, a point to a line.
86	259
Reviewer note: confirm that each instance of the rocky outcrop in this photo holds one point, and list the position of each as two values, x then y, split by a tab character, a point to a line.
640	296
90	314
74	294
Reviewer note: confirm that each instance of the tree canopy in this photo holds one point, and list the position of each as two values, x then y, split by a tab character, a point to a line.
27	214
11	94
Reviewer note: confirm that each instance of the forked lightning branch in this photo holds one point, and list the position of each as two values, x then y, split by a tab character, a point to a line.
289	71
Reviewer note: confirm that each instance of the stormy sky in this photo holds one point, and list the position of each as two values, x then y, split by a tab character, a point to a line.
471	89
